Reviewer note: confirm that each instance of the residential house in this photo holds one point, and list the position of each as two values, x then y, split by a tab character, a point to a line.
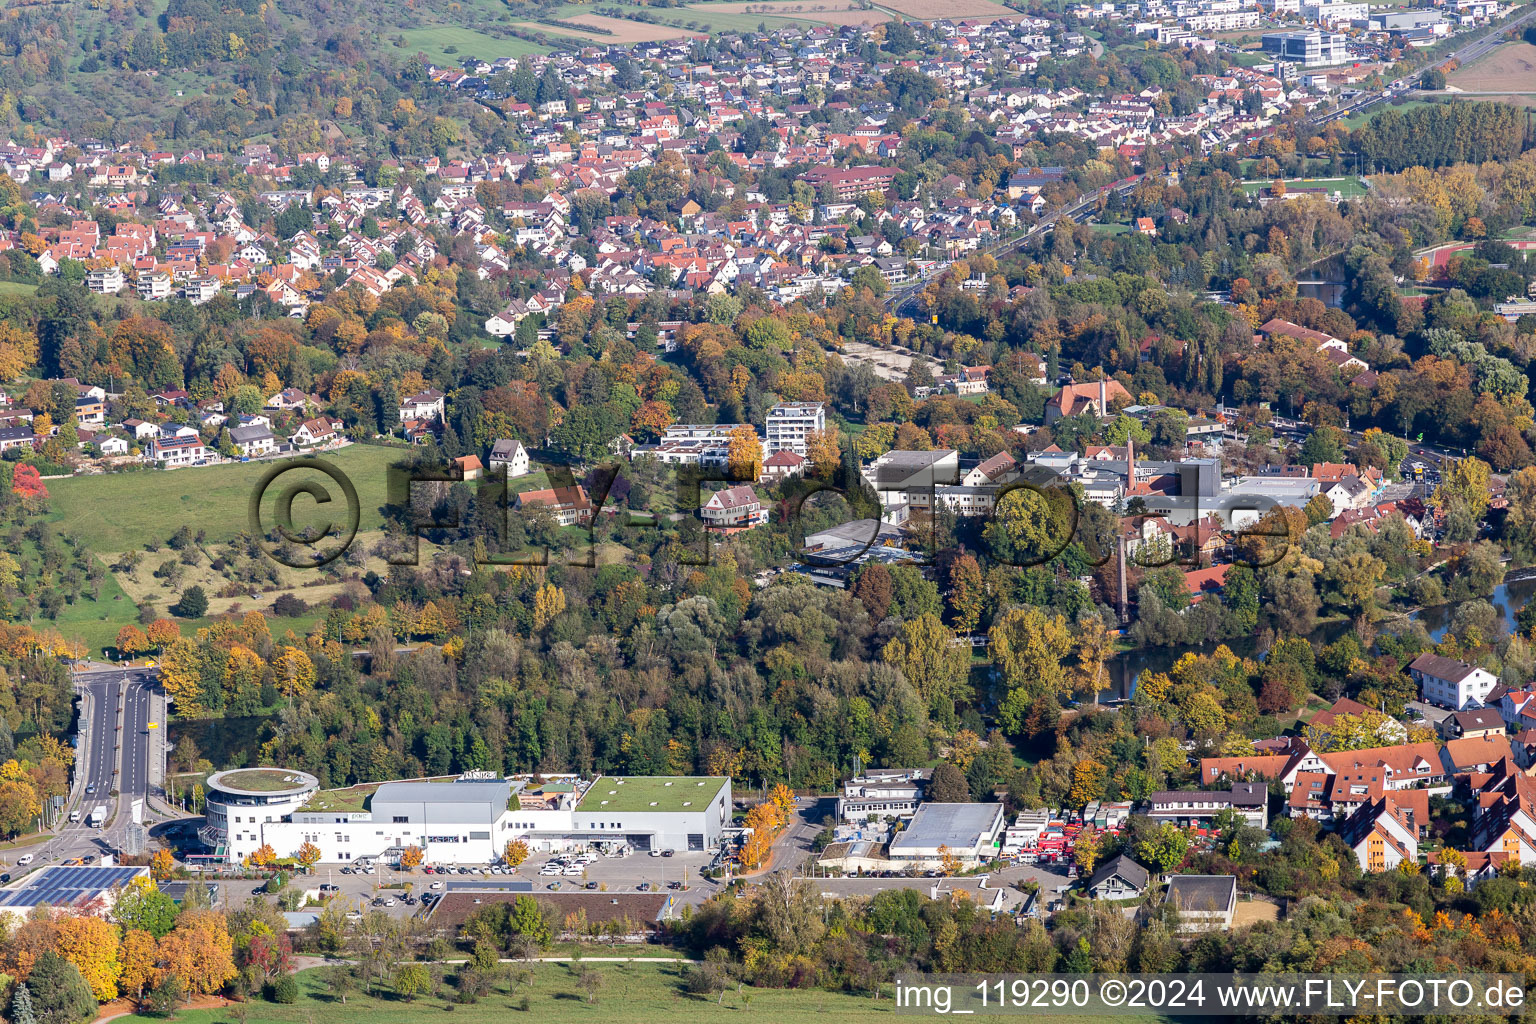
782	465
317	431
470	466
1385	832
173	452
1450	683
1473	724
1098	397
1203	902
291	399
511	456
1194	807
1475	754
569	505
1118	878
734	507
426	406
253	440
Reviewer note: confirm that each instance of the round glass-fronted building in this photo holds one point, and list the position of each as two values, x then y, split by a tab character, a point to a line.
240	801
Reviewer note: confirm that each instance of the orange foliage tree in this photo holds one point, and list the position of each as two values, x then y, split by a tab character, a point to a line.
162	865
90	943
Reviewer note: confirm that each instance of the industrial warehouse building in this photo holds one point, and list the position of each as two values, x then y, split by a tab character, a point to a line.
967	832
467	820
88	889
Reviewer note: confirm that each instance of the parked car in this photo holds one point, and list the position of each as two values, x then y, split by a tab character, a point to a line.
591	885
389	902
666	853
437	885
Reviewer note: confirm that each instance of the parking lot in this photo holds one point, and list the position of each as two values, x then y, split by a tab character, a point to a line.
634	872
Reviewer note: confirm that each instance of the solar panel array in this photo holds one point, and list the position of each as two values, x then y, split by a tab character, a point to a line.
490	886
67	886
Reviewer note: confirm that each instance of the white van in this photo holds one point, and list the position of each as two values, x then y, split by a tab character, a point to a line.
74	817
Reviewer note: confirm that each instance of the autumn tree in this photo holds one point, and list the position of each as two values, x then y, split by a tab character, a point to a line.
548	603
293	673
515	852
131	641
91	944
263	856
823	451
162	633
162	865
1164	849
967	593
927	655
1088	778
411	857
199	951
744	453
1095	643
308	854
138	955
1086	851
1029	645
651	419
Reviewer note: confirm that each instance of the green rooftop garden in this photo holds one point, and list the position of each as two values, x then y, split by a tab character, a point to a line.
260	780
353	799
651	793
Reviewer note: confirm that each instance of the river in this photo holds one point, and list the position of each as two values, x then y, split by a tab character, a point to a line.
1125	668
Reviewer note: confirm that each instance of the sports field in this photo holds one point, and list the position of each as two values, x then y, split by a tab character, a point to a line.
1347	186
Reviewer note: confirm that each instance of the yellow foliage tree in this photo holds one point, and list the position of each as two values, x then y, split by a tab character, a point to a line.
744	453
515	852
162	865
263	856
137	955
548	602
181	676
411	857
90	943
293	672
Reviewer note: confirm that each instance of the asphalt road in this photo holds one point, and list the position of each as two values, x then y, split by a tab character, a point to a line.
110	758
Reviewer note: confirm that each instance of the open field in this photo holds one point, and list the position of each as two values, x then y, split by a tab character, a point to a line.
466	42
930	10
1254	911
15	289
1359	118
825	12
622	29
127	511
1509	68
142	587
624	993
887	363
95	622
